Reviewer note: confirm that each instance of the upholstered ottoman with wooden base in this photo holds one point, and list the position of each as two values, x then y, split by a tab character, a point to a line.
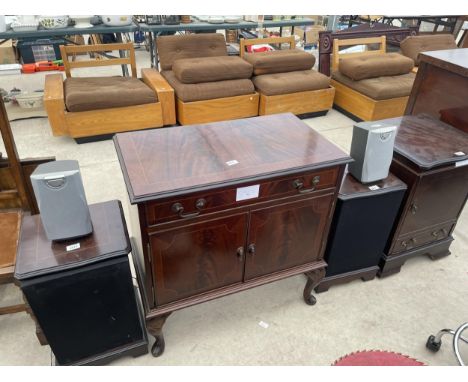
371	85
90	108
286	81
209	85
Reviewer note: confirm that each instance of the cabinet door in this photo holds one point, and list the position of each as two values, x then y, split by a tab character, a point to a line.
196	258
285	236
439	198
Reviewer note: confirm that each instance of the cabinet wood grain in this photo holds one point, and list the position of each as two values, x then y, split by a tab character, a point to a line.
424	158
228	206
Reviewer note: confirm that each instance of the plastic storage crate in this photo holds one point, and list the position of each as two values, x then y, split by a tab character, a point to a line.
35	50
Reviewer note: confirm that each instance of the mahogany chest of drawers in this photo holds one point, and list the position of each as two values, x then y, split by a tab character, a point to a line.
227	206
431	158
441	87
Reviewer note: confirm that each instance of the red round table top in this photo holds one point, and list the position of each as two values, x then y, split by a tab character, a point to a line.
377	358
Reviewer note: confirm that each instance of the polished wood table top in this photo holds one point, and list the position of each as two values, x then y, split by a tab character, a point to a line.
454	60
352	188
37	255
428	142
166	162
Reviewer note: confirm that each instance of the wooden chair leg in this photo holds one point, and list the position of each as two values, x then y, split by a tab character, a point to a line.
12	309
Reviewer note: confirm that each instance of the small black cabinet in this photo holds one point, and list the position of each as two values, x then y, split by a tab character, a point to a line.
362	223
83	299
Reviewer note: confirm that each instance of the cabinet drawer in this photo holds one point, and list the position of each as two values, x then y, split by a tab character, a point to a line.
418	239
210	201
439	197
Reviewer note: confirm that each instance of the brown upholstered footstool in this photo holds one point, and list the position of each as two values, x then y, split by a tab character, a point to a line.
286	81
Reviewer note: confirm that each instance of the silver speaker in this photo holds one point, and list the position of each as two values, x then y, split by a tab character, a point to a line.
61	199
372	149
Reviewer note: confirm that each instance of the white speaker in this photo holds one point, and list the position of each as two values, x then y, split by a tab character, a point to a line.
372	149
61	199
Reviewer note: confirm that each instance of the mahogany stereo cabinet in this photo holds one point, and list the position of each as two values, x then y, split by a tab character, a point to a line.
441	87
431	157
361	227
227	206
81	290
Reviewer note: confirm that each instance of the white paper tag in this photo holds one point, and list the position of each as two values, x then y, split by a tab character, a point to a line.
232	162
263	324
249	192
374	187
461	163
459	153
72	247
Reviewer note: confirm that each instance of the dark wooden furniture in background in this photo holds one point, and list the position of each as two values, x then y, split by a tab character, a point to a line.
10	222
83	298
227	206
431	157
394	36
361	227
441	87
8	185
16	197
448	22
15	183
13	191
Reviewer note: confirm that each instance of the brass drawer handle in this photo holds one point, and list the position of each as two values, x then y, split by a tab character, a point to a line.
251	249
408	245
441	231
299	185
240	253
178	208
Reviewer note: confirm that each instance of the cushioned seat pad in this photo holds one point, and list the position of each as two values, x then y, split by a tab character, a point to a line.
173	48
95	93
209	69
413	45
208	90
377	65
280	61
379	88
292	82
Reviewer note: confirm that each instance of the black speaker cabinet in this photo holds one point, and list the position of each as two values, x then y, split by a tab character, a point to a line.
81	292
362	223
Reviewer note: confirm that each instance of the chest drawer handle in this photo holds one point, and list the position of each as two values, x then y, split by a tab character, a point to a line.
178	208
251	249
414	208
442	231
240	253
407	245
299	185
